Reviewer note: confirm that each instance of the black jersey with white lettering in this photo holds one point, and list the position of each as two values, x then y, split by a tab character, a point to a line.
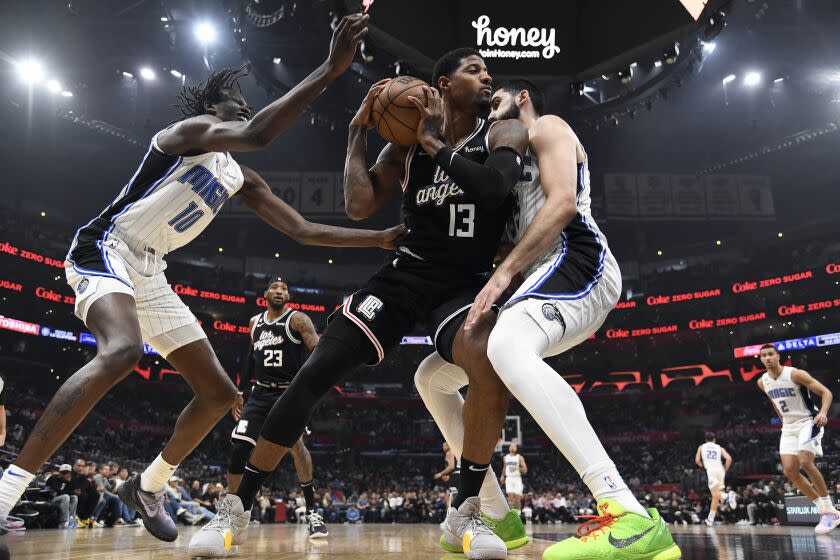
277	350
448	226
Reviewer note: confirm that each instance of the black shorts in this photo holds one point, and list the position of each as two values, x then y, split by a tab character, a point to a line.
258	403
405	292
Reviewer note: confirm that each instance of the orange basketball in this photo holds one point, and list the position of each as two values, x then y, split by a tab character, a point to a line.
394	115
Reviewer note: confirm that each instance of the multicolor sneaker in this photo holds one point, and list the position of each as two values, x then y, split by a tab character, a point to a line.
828	522
465	527
510	529
617	534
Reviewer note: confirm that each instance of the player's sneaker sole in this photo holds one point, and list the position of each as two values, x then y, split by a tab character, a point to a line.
511	545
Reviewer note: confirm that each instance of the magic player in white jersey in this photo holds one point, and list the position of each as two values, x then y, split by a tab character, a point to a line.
116	265
709	456
514	467
803	425
573	282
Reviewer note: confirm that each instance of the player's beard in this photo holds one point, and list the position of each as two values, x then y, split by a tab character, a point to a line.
512	113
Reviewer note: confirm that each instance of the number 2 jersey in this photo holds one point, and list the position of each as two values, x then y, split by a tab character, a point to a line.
166	204
448	226
276	352
793	400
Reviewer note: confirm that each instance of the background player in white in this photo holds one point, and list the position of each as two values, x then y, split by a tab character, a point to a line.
709	456
512	471
573	283
789	389
115	266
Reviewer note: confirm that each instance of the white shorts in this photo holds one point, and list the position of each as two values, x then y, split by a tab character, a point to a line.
568	319
716	477
166	323
801	436
513	485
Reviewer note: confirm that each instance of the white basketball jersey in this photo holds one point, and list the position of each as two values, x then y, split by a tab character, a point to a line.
711	455
168	202
792	400
529	197
512	465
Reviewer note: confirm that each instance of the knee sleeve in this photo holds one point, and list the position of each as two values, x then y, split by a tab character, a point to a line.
435	374
338	353
239	456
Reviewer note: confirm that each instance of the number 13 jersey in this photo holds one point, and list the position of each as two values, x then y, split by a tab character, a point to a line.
448	226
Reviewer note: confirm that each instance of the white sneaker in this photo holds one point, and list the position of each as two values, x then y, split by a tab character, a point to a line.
710	523
464	528
828	522
227	528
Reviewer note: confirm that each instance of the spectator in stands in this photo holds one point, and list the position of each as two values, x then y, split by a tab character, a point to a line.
65	498
85	489
185	506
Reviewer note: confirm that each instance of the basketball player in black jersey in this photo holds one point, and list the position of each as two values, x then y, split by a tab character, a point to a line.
280	340
456	186
115	305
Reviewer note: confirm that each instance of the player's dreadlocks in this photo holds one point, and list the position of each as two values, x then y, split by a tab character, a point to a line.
191	99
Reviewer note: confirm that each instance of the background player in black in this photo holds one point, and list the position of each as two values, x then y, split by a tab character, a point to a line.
410	287
280	340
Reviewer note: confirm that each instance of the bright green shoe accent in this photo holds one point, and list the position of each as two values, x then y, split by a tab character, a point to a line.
618	535
510	530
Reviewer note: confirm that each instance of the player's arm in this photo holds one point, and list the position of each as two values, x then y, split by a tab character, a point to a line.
775	408
697	457
727	459
366	191
523	468
491	181
257	195
302	324
246	374
555	147
207	133
805	379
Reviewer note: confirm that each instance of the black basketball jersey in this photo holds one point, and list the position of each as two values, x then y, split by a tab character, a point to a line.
276	349
448	226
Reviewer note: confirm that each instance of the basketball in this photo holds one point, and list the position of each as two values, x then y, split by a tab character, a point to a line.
394	115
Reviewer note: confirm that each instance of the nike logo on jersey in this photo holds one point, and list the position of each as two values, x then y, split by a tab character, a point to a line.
473	469
624	543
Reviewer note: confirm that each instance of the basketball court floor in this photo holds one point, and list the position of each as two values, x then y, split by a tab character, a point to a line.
408	542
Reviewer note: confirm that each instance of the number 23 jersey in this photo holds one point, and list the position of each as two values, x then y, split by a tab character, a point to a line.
277	351
448	226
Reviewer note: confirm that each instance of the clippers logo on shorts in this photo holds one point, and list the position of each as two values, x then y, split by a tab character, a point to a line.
369	307
80	289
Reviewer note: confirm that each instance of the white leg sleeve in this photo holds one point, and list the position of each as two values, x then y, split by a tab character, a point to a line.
438	383
515	348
